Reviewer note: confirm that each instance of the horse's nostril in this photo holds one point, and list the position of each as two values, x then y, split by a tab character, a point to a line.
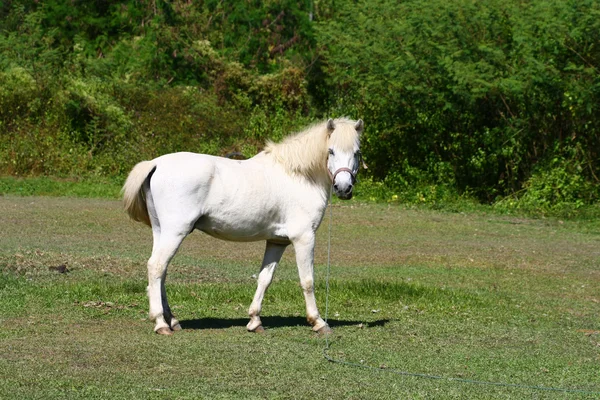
335	186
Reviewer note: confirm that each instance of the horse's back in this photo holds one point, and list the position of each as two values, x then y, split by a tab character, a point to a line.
191	170
182	172
184	160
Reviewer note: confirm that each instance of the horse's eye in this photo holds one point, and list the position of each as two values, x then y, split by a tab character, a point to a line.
331	152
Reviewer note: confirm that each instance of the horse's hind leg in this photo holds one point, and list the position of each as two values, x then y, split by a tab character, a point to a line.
165	247
167	313
273	254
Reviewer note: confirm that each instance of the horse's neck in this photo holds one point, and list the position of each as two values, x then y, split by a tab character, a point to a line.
320	180
322	186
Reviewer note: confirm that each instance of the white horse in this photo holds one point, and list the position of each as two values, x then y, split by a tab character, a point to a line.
279	195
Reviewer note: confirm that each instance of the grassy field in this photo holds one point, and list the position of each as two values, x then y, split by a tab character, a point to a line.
473	296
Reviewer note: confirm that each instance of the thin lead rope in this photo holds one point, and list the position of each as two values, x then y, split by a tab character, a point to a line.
328	268
413	374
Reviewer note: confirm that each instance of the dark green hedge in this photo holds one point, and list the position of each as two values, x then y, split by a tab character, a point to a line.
491	97
495	99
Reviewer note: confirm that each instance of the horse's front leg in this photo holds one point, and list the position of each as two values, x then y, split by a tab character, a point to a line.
304	247
273	254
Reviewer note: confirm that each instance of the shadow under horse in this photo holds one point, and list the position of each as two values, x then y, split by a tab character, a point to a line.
270	322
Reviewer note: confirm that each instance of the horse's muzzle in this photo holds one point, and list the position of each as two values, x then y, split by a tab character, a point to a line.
343	191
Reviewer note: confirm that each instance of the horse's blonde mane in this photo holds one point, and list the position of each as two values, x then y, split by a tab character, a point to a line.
306	152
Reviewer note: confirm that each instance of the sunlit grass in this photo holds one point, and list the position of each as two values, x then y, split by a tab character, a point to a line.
471	296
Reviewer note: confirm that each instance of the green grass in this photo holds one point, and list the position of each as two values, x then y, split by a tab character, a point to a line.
47	186
473	296
367	192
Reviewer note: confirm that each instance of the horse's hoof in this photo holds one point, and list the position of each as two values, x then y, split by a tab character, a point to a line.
176	327
325	330
258	329
164	331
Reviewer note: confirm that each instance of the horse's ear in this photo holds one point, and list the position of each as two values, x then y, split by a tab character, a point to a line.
330	125
360	125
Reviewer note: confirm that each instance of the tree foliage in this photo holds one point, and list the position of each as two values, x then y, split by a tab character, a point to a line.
485	95
496	99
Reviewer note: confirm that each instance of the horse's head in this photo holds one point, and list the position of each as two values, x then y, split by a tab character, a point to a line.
344	157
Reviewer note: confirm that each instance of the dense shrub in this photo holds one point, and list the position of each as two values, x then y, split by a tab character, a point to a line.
495	99
480	94
95	89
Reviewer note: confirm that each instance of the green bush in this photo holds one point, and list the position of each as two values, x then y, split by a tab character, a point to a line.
496	100
490	89
558	188
19	95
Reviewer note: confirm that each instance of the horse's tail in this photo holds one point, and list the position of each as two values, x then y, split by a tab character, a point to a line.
134	199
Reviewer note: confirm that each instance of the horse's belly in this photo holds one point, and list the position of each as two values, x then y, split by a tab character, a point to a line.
241	230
